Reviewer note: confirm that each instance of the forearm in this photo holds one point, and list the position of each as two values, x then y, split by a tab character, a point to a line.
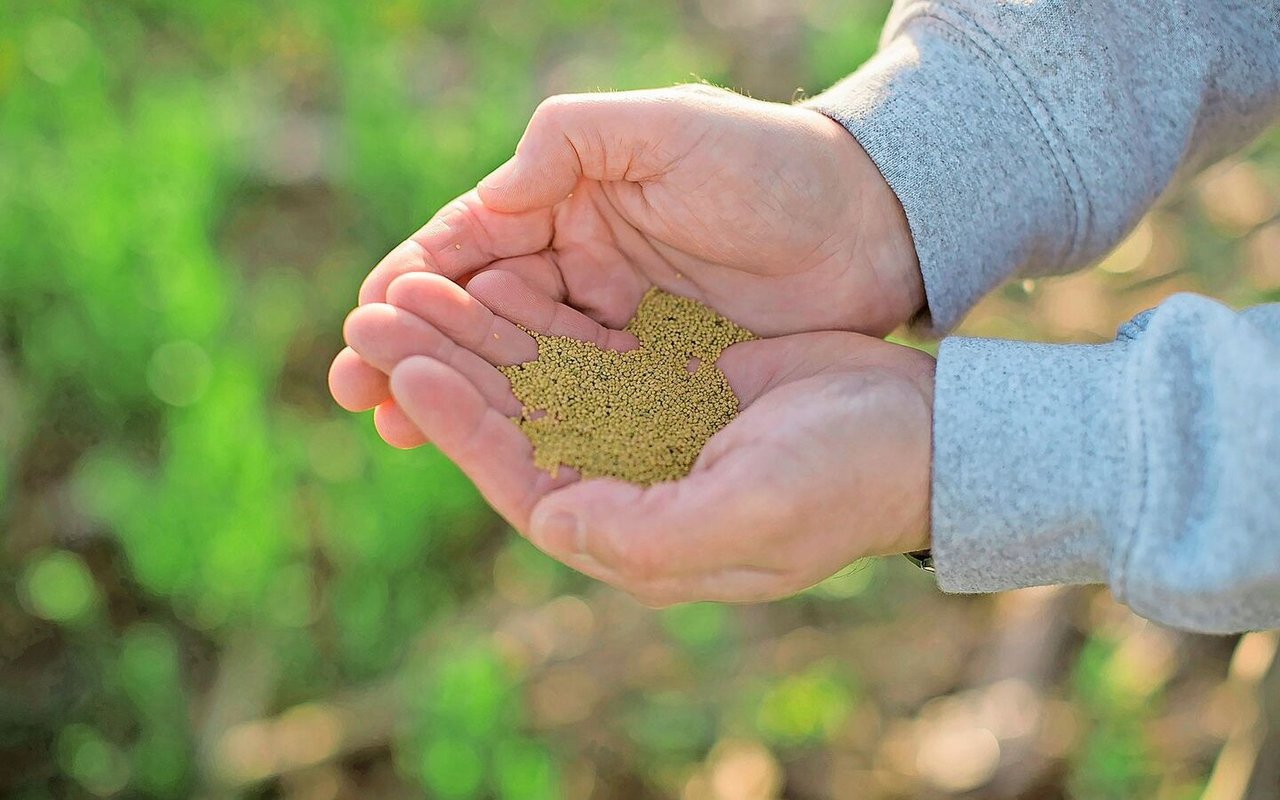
1029	137
1150	464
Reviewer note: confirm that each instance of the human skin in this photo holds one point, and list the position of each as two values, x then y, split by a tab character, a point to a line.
771	214
827	462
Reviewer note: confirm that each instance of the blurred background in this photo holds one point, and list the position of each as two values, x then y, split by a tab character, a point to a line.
213	583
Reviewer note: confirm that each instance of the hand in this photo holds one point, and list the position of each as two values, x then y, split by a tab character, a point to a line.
828	461
771	214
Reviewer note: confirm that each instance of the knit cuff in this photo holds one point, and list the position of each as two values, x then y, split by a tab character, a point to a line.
1034	452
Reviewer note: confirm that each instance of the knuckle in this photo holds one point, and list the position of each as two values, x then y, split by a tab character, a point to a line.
349	324
362	321
451	219
555	107
458	208
403	287
702	90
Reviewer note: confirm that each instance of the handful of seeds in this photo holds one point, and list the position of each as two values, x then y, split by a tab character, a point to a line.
642	415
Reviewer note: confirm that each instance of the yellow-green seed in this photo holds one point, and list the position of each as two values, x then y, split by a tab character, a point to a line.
641	415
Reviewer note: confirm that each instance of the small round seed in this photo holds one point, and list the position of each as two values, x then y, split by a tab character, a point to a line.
643	415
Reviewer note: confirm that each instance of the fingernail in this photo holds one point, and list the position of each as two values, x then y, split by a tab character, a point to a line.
559	533
500	176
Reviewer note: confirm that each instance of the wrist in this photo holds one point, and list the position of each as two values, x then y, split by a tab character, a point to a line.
880	243
888	246
918	537
906	418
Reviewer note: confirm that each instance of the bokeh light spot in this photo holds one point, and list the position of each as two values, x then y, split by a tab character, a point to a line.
523	769
334	451
93	762
957	758
179	372
697	625
744	770
452	768
59	587
55	48
804	707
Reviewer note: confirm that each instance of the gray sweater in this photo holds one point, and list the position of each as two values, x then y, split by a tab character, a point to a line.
1026	138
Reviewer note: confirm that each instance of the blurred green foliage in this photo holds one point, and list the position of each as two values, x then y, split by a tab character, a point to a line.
1115	761
59	588
806	707
195	540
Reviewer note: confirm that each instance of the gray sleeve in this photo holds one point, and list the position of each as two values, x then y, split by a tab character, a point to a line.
1028	136
1151	464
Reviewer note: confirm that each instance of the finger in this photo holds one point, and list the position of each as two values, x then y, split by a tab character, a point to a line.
385	335
354	384
395	428
539	270
463	318
705	523
485	444
462	237
603	137
511	297
607	288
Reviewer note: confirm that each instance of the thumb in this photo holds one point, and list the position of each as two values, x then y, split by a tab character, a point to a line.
600	137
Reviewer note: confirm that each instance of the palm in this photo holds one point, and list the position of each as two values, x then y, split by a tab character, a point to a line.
612	241
808	402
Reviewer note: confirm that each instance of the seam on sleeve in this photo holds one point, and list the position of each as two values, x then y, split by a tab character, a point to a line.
1139	459
996	56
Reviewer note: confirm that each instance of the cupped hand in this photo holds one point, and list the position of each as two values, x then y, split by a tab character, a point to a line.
771	214
827	462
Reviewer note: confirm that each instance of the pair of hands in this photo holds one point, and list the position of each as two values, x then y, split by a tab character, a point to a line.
771	214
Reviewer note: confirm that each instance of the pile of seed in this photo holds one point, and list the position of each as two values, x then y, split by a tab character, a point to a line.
642	415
